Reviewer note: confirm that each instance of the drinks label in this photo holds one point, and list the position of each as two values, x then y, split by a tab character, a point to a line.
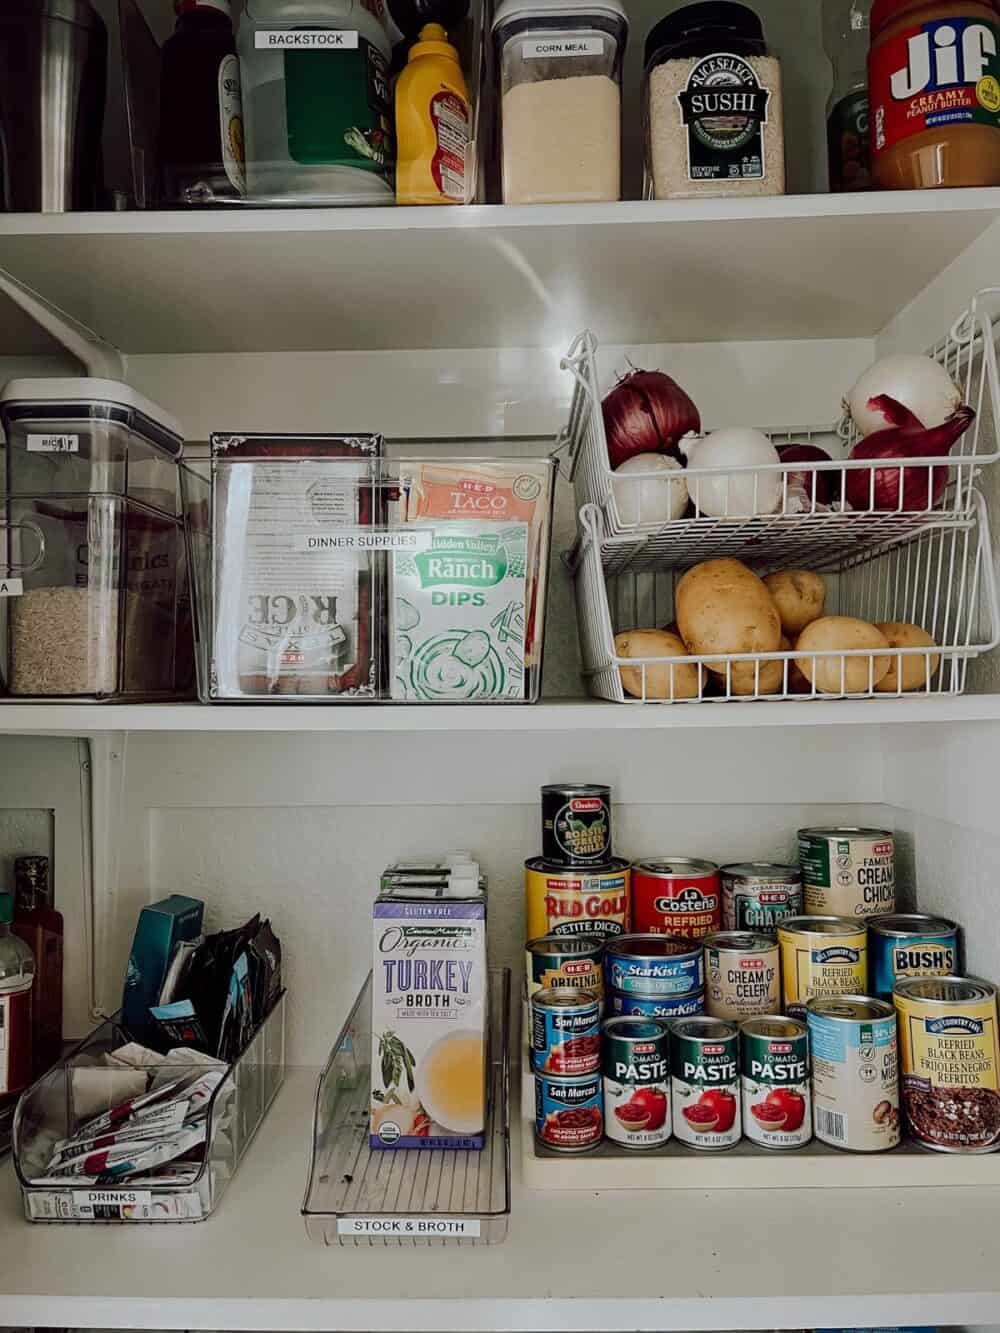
305	39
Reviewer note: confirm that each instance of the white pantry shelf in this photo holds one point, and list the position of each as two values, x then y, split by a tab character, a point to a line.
643	1261
256	280
554	715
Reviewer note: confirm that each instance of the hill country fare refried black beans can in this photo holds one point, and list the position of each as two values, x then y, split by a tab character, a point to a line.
848	871
757	894
576	824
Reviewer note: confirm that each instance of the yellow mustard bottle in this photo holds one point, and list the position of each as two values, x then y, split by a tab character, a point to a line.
433	123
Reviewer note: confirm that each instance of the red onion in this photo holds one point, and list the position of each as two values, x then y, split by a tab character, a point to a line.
647	413
825	482
921	487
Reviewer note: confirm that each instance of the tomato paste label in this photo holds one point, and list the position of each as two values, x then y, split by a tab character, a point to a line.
450	119
705	1086
777	1104
569	1112
934	75
635	1064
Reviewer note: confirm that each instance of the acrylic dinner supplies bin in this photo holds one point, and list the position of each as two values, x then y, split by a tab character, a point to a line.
84	1084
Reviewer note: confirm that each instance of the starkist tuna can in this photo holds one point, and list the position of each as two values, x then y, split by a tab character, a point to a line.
577	902
676	895
664	1007
654	966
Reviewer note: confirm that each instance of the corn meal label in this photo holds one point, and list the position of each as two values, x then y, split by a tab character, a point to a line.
559	48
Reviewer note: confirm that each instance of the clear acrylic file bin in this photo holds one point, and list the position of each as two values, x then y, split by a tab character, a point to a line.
357	1196
84	1085
321	579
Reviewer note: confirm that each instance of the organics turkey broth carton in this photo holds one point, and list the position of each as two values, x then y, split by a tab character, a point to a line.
429	1017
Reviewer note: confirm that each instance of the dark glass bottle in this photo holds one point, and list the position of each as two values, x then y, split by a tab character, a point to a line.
40	926
201	109
845	33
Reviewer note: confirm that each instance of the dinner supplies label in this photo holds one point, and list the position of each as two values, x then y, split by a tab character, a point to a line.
557	48
53	444
364	539
305	39
408	1226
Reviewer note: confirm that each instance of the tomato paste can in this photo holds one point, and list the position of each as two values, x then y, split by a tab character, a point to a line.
577	902
756	895
565	1031
742	975
666	1007
855	1072
774	1055
565	960
821	955
675	895
635	1064
569	1112
654	965
848	871
705	1082
576	824
910	945
949	1061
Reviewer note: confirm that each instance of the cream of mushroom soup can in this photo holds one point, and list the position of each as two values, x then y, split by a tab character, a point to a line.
742	975
848	871
855	1072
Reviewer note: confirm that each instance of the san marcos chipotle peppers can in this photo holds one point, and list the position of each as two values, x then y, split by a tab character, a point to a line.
565	1031
705	1082
910	945
756	895
666	1007
742	975
577	902
565	960
774	1055
654	965
855	1072
569	1112
848	871
635	1064
949	1059
676	895
576	824
821	955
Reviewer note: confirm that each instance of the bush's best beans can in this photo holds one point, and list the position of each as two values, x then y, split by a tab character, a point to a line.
848	871
666	1007
910	945
742	975
756	895
676	895
576	824
821	955
705	1082
774	1055
635	1063
654	965
565	960
855	1072
565	1032
576	902
949	1060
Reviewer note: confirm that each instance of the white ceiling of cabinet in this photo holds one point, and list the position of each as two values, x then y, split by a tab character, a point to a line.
798	267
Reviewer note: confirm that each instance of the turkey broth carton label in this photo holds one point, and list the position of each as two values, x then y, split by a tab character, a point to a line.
568	902
429	1017
848	871
705	1085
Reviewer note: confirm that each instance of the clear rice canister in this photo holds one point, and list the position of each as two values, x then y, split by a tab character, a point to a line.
560	100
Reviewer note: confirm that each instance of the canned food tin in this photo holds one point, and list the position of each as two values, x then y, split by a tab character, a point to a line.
654	965
569	1115
568	902
855	1072
565	1031
756	895
848	871
821	955
636	1070
774	1054
705	1082
576	824
674	895
565	960
910	945
742	975
666	1007
949	1060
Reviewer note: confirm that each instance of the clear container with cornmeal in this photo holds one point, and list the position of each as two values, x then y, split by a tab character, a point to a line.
560	100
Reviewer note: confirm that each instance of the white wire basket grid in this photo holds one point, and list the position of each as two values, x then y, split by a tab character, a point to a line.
941	578
808	516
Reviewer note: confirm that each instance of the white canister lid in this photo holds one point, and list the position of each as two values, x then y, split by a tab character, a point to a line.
543	10
89	393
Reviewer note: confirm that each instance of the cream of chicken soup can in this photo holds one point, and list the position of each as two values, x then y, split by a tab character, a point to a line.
848	871
855	1071
742	975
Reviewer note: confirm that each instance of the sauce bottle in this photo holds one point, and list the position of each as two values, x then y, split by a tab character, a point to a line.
201	157
40	926
433	123
845	31
17	972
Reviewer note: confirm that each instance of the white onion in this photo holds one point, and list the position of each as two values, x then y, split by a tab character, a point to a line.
734	494
920	384
649	500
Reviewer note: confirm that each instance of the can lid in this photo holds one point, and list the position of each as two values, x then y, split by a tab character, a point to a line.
944	990
773	1026
820	925
849	1008
701	1027
632	1028
590	945
564	997
904	925
763	869
671	867
741	941
847	831
652	946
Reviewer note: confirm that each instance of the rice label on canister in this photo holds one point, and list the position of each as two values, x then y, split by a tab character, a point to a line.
777	1105
855	1073
704	1082
569	1112
848	871
636	1071
568	902
742	975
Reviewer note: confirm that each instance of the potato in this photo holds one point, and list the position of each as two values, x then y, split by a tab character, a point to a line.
836	674
914	670
662	682
797	683
723	607
799	595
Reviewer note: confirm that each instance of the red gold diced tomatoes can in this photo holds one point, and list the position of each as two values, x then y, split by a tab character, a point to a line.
676	895
576	902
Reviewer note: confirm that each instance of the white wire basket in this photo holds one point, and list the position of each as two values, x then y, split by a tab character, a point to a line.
801	528
940	578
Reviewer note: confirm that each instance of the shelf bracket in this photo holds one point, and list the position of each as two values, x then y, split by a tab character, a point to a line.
102	774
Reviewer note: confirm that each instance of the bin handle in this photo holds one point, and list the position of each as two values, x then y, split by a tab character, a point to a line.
30	566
